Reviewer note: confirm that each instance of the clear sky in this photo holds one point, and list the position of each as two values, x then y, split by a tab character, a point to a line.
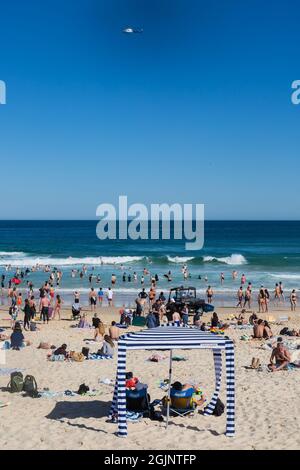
196	109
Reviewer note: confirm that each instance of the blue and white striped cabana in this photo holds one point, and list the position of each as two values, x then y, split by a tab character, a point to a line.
169	338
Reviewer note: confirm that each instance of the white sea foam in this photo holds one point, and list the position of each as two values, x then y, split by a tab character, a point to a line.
179	259
234	259
45	261
12	253
286	276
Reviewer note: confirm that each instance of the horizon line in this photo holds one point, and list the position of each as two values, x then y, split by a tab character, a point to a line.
117	220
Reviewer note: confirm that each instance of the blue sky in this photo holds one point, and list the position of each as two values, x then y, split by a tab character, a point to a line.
195	109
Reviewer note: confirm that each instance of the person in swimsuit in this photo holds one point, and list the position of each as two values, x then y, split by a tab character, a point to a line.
45	304
209	293
281	356
276	294
100	296
93	299
57	307
293	300
240	296
247	298
176	318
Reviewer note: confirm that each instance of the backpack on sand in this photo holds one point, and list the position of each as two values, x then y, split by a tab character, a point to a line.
30	386
219	408
16	382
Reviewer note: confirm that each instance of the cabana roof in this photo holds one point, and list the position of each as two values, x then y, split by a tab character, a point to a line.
169	338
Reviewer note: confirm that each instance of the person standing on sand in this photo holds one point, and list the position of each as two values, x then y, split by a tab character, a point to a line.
109	296
247	298
261	300
45	304
281	292
93	299
209	293
58	304
100	296
276	294
293	300
27	314
240	296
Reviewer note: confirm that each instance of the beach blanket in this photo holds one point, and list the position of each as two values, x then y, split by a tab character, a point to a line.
133	417
241	327
67	393
98	357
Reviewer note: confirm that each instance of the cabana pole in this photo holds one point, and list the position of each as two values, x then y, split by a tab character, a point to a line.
169	389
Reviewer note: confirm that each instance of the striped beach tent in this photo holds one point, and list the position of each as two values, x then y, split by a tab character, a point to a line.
169	338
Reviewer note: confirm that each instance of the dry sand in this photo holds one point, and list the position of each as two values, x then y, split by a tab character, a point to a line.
267	410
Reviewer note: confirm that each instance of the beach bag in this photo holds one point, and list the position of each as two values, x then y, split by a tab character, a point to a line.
30	386
83	389
16	382
284	331
32	326
78	357
219	408
85	352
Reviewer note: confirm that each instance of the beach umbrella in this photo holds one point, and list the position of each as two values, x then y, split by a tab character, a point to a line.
168	338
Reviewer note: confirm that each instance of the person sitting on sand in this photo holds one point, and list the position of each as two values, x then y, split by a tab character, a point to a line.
151	320
114	331
241	318
253	318
258	329
267	330
83	322
61	351
99	332
215	323
281	356
17	337
193	389
107	347
133	383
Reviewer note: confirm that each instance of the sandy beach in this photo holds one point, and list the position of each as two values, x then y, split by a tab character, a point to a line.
267	410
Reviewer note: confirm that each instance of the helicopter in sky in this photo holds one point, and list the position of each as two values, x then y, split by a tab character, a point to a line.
132	30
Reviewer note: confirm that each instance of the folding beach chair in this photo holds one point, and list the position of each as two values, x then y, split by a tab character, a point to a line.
182	402
138	401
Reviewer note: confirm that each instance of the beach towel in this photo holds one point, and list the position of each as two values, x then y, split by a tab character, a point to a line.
178	358
156	358
133	416
98	357
58	357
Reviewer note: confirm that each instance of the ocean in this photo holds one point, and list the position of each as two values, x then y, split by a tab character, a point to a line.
265	251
